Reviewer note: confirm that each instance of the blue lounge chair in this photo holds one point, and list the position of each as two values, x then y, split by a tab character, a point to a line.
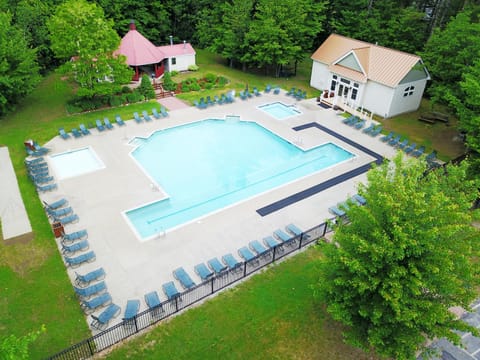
368	129
155	113
258	248
86	279
336	211
89	306
276	91
84	130
153	302
101	322
410	148
246	254
119	120
87	292
419	151
431	157
100	126
268	88
231	262
360	124
182	276
293	229
402	144
76	133
216	266
394	141
35	152
79	260
146	116
107	123
34	161
203	271
137	118
41	179
230	97
45	188
68	219
209	101
38	168
242	95
256	92
77	235
282	235
376	131
131	310
163	111
291	92
349	119
359	199
56	213
39	174
271	242
69	250
63	134
170	290
387	137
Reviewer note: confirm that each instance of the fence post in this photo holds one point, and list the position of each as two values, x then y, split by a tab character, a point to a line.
274	253
135	322
176	303
211	282
92	350
244	269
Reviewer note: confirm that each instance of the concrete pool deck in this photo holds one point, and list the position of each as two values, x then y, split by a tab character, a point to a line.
136	267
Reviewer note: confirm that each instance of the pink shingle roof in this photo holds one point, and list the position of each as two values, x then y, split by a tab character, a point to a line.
139	50
177	50
383	65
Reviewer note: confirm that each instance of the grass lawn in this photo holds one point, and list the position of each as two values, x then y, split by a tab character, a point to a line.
273	315
276	316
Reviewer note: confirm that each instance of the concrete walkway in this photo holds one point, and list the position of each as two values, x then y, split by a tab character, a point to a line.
172	103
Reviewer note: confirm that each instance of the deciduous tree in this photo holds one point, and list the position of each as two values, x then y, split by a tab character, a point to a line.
404	260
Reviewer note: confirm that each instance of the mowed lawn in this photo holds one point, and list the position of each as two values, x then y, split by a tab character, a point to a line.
273	315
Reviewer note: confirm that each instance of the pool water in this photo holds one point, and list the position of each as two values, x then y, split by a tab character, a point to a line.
279	110
75	162
211	164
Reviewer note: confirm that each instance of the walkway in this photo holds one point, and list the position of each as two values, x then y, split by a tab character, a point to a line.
172	103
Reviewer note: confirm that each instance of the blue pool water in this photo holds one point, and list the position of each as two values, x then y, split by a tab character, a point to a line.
279	110
211	164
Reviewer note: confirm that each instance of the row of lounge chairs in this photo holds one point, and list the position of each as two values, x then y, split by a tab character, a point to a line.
409	148
245	94
276	89
340	209
84	130
298	94
39	173
146	116
203	103
354	121
34	149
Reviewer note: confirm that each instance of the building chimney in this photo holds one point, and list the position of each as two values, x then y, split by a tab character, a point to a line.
171	40
184	44
132	25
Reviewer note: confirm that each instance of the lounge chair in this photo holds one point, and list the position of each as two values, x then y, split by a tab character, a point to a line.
271	242
216	266
69	250
182	276
431	157
336	211
256	246
276	91
402	144
246	254
153	302
57	213
360	124
38	168
86	279
419	151
86	293
231	262
40	174
89	306
387	137
107	123
45	188
155	113
119	120
163	111
63	134
359	199
84	130
376	131
79	260
146	116
282	235
77	235
76	133
256	92
268	88
242	95
291	92
34	161
137	117
100	126
203	271
410	148
68	219
57	204
101	322
35	152
131	310
170	290
394	141
350	119
209	101
368	129
293	229
41	179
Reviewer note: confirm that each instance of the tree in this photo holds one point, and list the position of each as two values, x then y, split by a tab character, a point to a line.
14	348
18	66
81	35
405	258
146	88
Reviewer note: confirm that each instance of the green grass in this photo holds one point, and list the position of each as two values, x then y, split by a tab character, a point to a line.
273	315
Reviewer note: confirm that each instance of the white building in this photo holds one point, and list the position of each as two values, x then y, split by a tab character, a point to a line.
360	75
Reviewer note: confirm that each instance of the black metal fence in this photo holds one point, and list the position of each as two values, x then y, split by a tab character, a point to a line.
125	329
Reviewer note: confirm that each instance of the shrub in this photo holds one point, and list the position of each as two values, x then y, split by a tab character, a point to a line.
173	73
146	88
210	78
126	90
222	81
192	68
209	85
186	86
194	86
168	83
116	100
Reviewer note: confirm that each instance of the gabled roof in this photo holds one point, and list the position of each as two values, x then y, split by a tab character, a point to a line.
177	49
380	64
138	49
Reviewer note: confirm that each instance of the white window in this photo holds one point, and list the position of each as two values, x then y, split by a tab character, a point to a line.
408	91
174	61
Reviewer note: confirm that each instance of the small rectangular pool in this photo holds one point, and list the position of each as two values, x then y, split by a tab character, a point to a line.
279	110
75	162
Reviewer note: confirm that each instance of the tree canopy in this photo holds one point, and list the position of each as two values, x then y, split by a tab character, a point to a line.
405	259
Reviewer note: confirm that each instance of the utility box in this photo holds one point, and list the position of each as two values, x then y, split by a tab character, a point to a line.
57	228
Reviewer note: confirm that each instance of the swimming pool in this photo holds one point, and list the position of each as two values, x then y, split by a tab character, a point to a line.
279	110
75	162
211	164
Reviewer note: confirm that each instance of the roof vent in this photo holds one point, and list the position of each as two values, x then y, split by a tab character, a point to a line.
171	40
132	25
